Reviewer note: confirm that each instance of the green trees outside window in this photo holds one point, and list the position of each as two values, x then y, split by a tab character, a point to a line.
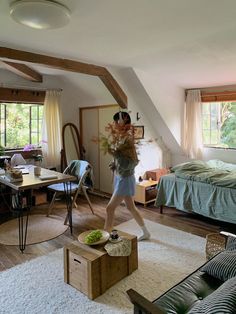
219	124
20	124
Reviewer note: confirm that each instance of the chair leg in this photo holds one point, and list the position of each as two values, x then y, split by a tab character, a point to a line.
67	216
86	195
73	199
51	204
66	219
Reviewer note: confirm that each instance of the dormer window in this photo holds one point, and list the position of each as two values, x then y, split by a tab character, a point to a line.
20	124
219	124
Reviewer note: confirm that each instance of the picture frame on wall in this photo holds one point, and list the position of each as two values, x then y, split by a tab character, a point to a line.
139	132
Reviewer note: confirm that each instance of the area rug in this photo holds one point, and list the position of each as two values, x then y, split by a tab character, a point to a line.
40	229
37	286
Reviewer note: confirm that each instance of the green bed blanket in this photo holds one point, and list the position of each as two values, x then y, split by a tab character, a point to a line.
204	172
197	197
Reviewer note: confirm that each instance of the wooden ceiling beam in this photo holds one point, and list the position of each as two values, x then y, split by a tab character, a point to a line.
69	65
114	88
23	71
21	95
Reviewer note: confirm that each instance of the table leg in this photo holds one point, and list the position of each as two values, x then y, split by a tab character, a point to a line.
67	189
18	206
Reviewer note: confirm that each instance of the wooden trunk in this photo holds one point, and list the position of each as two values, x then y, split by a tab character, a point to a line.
92	271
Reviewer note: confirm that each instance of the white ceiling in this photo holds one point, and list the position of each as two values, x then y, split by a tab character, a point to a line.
191	43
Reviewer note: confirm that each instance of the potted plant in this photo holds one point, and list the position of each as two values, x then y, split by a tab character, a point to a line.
37	159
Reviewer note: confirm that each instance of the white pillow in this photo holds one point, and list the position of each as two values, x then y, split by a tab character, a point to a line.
219	164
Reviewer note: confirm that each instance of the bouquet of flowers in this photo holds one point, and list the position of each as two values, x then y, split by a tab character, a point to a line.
118	141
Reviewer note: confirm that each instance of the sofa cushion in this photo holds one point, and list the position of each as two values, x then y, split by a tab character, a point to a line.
222	300
222	266
231	243
181	297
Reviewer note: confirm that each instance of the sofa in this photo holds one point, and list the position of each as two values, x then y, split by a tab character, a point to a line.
209	289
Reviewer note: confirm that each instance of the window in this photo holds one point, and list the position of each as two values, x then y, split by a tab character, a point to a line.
219	124
20	124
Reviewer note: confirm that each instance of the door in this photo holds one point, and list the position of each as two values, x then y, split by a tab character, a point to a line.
93	121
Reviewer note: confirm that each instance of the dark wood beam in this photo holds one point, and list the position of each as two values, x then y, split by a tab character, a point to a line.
23	71
21	95
69	65
114	88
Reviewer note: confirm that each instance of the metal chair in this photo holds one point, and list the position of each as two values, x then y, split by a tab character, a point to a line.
83	171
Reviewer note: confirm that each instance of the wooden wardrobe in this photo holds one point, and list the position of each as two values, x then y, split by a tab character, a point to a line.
93	121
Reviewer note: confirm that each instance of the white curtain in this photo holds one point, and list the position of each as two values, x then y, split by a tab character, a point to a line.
51	130
192	141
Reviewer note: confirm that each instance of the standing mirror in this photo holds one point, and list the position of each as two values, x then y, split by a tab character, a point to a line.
72	148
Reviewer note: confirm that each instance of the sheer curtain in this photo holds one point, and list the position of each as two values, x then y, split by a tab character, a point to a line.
192	142
51	129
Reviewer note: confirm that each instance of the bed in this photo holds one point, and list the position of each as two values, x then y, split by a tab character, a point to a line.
205	188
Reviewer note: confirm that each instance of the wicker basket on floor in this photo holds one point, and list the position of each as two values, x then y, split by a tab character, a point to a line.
215	243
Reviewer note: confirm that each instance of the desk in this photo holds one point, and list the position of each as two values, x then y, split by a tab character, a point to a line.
30	182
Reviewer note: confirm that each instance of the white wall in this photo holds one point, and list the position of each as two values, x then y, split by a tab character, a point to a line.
80	90
154	154
9	79
167	98
169	101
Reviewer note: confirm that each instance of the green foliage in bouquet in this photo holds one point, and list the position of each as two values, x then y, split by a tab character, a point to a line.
118	141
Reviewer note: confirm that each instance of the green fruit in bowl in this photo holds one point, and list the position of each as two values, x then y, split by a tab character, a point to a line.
93	236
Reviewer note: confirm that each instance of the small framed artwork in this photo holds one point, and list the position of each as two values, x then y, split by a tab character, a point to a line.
139	132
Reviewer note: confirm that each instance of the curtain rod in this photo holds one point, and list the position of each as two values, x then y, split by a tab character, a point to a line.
212	87
3	85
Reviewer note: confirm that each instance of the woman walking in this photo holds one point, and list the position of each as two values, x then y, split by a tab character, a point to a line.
125	160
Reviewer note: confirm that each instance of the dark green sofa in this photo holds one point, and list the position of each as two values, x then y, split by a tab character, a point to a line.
188	293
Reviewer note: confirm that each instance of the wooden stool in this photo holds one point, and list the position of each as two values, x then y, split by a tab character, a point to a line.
92	271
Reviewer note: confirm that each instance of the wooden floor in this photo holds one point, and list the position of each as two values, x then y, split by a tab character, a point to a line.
83	220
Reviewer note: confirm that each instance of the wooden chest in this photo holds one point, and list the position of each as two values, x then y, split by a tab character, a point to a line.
155	174
92	271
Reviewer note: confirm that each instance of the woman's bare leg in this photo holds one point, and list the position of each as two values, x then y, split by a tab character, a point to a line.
134	211
129	201
111	207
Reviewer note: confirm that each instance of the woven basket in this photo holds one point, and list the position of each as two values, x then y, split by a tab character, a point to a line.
215	243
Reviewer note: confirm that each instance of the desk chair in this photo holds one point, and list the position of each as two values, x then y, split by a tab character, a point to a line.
83	171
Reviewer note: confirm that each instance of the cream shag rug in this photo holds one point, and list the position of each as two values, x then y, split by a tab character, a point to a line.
38	287
40	229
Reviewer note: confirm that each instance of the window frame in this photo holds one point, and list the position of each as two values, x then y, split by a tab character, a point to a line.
217	96
13	95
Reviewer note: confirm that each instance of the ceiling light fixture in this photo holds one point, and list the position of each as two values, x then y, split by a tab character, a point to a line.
40	14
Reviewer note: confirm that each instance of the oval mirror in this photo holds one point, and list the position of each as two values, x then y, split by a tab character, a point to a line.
72	148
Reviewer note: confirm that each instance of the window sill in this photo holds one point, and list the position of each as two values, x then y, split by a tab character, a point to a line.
25	154
221	148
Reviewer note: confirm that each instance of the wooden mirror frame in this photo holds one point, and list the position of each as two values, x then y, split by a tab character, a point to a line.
78	144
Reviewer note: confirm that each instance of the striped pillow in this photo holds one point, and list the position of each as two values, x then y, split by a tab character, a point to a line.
231	243
222	266
222	300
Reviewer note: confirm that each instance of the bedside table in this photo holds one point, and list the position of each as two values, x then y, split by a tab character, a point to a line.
145	192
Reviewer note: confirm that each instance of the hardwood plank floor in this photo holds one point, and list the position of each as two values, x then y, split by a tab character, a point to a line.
84	220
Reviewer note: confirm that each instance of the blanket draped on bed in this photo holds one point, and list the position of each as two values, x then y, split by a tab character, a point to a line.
202	172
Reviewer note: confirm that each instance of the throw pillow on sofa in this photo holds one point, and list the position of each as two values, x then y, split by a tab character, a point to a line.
222	300
231	243
222	266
